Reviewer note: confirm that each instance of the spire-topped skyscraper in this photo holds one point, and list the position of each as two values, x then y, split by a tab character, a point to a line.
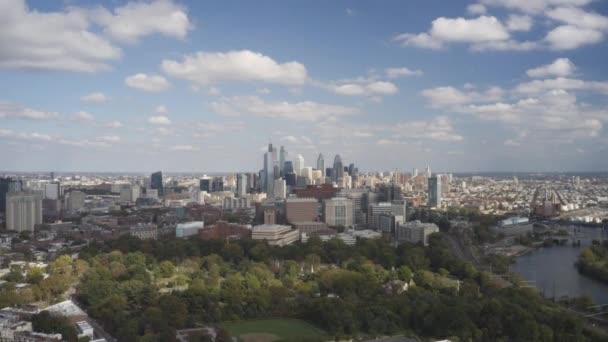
338	168
270	163
321	164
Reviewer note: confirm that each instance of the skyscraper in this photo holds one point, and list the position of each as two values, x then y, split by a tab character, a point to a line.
434	192
415	172
338	168
298	164
427	171
241	184
23	211
270	161
52	190
321	164
282	158
156	182
8	185
205	185
352	170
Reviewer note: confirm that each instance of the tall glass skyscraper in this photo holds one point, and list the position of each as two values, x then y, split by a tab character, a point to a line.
282	158
434	191
338	168
321	164
156	182
270	166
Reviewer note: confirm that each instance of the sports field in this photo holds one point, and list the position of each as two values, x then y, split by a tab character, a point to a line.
268	330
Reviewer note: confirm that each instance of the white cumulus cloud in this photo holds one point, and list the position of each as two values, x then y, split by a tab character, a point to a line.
561	67
243	65
159	120
97	97
151	83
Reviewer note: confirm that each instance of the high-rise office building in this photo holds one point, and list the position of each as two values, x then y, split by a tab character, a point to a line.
217	184
427	171
434	192
339	212
280	188
298	164
8	185
156	183
241	184
129	193
205	184
352	170
321	164
23	211
282	158
415	172
52	190
338	168
270	168
74	200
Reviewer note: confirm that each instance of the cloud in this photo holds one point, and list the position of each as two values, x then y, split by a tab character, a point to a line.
12	111
84	116
184	148
70	39
151	83
159	120
165	132
519	22
555	110
51	40
213	91
450	96
300	140
578	17
114	124
109	138
476	9
569	37
161	109
297	111
438	129
533	6
34	136
401	72
457	30
244	65
97	97
375	87
137	19
560	67
560	83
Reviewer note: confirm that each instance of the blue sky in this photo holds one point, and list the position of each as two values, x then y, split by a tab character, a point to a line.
485	85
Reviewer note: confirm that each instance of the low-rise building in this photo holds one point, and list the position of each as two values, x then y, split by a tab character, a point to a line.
275	234
415	232
144	231
184	230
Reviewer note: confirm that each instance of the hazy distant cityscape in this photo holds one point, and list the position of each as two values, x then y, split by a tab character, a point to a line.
298	171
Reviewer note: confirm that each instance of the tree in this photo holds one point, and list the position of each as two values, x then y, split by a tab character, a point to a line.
166	269
34	275
404	273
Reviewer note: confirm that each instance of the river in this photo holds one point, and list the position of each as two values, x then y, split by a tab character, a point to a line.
552	269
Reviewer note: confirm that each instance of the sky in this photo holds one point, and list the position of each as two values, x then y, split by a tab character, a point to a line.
204	86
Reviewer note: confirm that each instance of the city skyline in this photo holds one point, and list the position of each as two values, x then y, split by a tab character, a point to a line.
464	86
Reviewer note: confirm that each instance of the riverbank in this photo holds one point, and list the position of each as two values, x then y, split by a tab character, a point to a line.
553	272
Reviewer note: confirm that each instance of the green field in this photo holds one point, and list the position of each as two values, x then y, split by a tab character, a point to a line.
281	329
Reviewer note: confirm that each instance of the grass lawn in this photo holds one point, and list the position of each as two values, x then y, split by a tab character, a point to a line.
283	329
